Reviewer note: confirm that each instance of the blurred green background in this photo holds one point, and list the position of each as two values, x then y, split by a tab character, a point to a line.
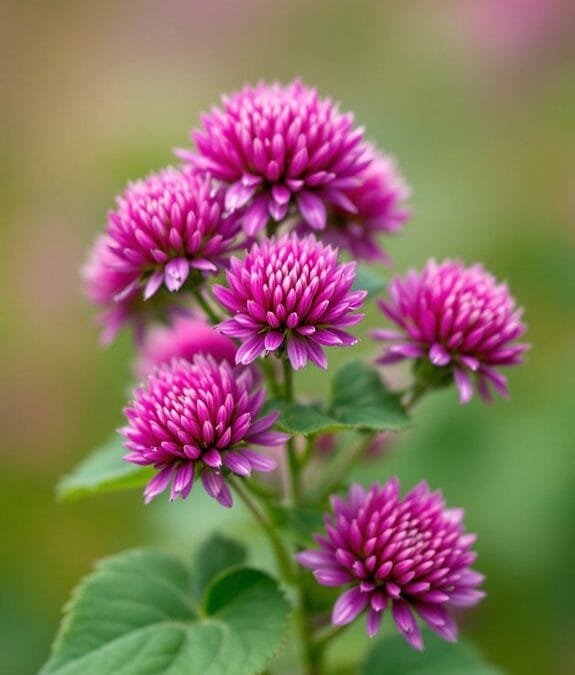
476	99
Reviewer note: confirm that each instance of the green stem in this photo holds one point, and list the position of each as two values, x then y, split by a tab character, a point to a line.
308	450
341	467
311	656
282	555
323	639
413	397
202	302
270	375
293	464
259	490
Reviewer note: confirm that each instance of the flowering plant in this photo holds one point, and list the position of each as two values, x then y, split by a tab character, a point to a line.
247	262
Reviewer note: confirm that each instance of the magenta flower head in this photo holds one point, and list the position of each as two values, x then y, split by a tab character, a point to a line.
411	555
290	295
277	147
183	338
458	323
103	281
166	226
198	418
377	208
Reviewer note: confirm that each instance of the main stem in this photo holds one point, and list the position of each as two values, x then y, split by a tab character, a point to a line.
293	464
203	303
282	555
341	467
311	655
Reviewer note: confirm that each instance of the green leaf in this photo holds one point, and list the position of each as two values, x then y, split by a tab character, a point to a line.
134	615
394	656
299	418
361	401
103	471
214	556
366	280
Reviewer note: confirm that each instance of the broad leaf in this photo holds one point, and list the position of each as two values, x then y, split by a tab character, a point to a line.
367	280
361	401
299	418
214	556
394	656
134	615
103	471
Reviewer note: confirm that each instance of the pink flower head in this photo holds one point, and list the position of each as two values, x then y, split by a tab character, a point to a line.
290	294
409	554
277	146
167	225
195	419
103	281
458	322
378	208
185	337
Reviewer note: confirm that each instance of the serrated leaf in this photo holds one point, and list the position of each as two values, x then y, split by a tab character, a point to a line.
367	280
134	615
360	400
214	556
394	656
103	471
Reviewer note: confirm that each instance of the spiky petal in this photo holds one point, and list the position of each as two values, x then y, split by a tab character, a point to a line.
198	419
290	295
458	323
374	207
278	149
165	227
103	282
410	555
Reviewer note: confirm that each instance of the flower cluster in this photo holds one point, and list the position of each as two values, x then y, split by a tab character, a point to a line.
198	418
457	319
409	554
278	187
290	295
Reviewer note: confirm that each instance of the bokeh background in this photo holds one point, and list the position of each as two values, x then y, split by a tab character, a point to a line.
476	99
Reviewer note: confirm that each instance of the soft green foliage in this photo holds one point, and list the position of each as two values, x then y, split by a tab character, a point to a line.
134	614
367	280
360	400
395	657
307	420
215	555
103	471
